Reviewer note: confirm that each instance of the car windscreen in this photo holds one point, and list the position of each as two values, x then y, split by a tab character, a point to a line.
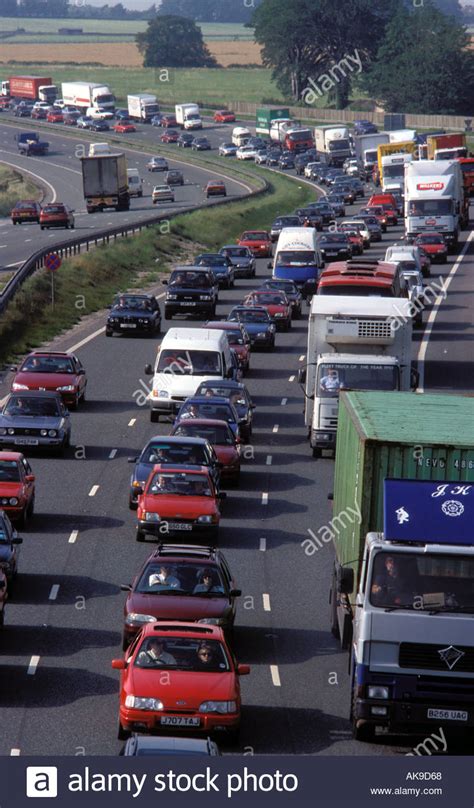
287	287
182	653
192	280
252	316
25	205
235	252
47	364
29	406
131	302
331	238
213	412
269	300
296	258
180	484
189	362
9	471
180	578
217	435
255	237
430	240
175	454
211	261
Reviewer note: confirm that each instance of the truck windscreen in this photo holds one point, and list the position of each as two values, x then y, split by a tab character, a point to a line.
430	207
296	258
337	145
424	582
394	171
335	376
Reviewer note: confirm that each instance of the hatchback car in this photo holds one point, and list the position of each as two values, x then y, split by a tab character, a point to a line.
133	314
216	408
9	540
276	303
227	150
283	221
335	246
378	212
71	118
181	582
174	177
179	499
258	325
99	126
215	188
169	121
224	116
310	217
162	193
241	258
239	397
290	289
202	677
84	122
223	441
17	487
434	245
37	419
286	161
170	451
56	215
221	266
185	139
258	242
157	164
170	136
124	127
55	371
26	211
200	144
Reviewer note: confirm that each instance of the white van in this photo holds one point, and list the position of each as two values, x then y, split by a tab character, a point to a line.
135	182
240	135
96	149
298	258
186	357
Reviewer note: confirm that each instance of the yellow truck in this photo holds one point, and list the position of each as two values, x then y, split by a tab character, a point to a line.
386	149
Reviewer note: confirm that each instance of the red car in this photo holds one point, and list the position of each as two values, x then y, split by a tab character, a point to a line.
258	242
202	691
434	245
169	121
189	574
55	116
56	215
276	303
380	215
27	211
355	238
124	127
222	440
215	188
177	501
52	370
224	116
237	338
170	136
17	486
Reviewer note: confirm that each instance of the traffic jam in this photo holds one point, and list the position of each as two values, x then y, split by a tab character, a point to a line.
338	293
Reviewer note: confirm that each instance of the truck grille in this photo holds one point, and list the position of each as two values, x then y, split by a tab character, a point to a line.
424	656
27	431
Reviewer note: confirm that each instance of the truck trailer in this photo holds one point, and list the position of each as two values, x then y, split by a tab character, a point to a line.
265	116
435	199
105	182
446	147
402	587
33	88
84	94
362	343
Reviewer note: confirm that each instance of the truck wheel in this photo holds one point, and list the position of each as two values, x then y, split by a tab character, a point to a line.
154	416
316	452
361	731
333	608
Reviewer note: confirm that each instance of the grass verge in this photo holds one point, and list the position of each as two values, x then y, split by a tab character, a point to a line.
87	283
13	187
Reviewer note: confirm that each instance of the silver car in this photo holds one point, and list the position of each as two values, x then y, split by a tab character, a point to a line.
35	418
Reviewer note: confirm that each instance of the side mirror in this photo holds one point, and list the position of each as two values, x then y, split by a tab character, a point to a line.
345	580
243	670
81	372
13	367
165	282
302	376
30	478
222	495
235	593
138	490
118	664
17	540
148	370
132	459
125	587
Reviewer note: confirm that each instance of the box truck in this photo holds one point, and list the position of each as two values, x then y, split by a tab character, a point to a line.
265	116
142	107
33	88
333	142
393	171
446	147
366	149
188	116
104	178
84	94
402	135
362	343
387	149
435	199
402	586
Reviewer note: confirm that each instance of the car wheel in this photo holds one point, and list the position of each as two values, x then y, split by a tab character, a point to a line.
132	505
42	227
232	737
154	416
316	451
108	333
140	536
31	508
123	734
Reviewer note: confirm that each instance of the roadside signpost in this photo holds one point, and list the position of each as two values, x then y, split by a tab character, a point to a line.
52	262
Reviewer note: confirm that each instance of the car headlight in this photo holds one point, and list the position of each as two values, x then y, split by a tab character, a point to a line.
143	320
152	517
204	297
143	703
69	388
13	501
3	431
161	393
261	334
378	692
139	483
16	386
279	314
171	297
135	619
221	707
11	431
44	433
272	328
205	520
52	433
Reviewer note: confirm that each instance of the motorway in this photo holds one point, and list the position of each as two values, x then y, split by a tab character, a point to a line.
63	624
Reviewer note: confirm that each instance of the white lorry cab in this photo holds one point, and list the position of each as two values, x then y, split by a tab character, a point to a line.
186	357
188	116
298	258
95	149
240	135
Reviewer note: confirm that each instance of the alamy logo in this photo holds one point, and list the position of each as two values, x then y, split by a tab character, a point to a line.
452	507
41	781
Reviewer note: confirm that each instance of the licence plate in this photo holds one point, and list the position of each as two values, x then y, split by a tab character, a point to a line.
179	526
448	715
128	325
180	721
26	442
331	253
185	303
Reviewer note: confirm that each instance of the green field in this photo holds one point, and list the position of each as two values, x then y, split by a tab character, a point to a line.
209	86
13	187
45	30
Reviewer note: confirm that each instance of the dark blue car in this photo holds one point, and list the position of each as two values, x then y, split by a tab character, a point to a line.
214	408
258	324
221	265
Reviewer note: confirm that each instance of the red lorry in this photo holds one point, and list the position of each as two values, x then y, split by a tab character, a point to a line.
34	88
467	168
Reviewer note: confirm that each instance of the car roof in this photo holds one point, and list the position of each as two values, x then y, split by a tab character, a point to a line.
194	630
37	394
249	308
176	439
206	400
62	354
230	383
11	456
223	325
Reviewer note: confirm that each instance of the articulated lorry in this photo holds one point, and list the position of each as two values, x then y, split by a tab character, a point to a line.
446	147
402	587
142	107
85	94
333	142
362	343
31	88
435	199
266	116
105	182
366	150
29	143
